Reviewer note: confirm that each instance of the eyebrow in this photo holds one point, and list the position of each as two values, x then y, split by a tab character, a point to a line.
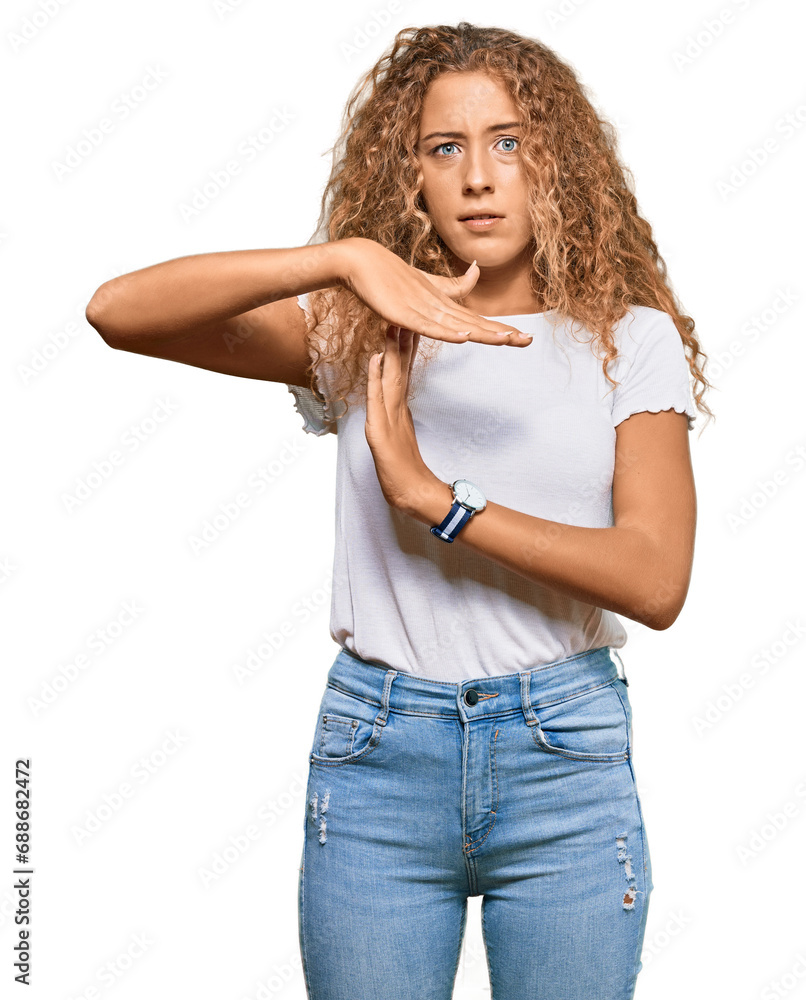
461	135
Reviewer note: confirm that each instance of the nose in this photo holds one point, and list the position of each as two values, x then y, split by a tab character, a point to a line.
478	174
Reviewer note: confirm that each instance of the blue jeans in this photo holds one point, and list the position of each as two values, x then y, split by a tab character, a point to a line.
518	788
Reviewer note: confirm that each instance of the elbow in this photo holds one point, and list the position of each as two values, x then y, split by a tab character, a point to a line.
98	304
97	314
663	621
658	619
96	308
659	606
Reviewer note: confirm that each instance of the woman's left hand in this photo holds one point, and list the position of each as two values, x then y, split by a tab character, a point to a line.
403	475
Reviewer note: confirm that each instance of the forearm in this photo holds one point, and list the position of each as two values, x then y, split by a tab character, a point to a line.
166	300
618	568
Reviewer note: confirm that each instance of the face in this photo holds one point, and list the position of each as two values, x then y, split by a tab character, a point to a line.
468	151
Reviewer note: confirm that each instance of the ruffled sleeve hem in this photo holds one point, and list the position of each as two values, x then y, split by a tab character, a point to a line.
316	412
687	408
312	410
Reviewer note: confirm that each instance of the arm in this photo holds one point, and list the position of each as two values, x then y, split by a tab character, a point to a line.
235	311
640	567
232	312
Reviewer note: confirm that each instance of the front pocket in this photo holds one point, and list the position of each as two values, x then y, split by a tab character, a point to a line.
346	729
336	736
595	725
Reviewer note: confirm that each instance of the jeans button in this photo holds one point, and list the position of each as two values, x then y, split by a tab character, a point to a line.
471	697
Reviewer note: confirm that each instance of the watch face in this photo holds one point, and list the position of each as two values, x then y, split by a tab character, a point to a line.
469	494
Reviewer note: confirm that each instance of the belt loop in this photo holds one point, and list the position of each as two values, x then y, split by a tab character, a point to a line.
387	689
623	673
526	700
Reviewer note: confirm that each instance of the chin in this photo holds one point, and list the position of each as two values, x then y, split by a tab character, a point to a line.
484	257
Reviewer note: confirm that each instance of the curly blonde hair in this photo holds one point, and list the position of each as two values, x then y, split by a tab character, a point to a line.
593	255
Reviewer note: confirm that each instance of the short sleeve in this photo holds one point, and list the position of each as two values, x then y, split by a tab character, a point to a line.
315	412
652	368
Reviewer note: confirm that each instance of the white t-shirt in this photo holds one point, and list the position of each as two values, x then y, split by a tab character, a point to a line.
534	428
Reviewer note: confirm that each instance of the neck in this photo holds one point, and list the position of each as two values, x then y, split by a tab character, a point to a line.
502	290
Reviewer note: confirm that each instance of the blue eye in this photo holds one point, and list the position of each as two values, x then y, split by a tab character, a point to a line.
442	145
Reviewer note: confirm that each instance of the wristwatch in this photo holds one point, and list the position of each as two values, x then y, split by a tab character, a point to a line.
467	501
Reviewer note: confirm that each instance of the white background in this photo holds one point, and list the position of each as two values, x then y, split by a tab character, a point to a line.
724	797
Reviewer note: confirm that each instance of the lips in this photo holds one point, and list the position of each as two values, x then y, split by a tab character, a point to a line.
480	215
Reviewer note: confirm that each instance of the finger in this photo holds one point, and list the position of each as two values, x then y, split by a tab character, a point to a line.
408	342
407	351
392	371
482	329
457	324
466	282
492	332
375	405
414	347
460	286
451	314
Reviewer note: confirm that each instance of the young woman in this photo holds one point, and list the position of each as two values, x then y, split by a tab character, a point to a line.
484	321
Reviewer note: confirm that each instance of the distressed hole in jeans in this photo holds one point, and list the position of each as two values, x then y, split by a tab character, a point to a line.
628	902
314	803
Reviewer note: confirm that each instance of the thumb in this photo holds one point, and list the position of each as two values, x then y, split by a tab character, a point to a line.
457	286
466	282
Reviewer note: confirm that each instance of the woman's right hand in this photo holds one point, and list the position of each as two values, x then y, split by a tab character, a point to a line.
424	303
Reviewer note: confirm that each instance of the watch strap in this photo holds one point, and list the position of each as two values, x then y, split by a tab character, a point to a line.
456	518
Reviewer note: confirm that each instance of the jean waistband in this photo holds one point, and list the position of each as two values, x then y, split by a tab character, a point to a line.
480	697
